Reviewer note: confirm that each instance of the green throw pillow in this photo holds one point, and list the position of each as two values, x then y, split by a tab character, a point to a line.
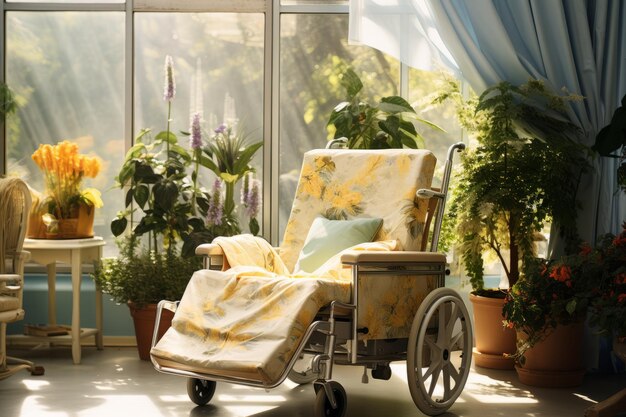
326	238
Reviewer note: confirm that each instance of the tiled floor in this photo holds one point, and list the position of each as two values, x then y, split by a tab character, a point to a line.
115	383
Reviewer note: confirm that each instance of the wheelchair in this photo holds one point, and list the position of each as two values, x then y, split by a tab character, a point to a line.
375	306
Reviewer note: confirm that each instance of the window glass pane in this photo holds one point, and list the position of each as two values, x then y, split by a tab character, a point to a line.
218	68
313	50
67	71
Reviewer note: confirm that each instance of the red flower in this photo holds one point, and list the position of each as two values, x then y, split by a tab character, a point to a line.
621	298
585	250
619	240
561	273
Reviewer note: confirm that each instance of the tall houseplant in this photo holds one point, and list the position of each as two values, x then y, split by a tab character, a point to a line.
167	213
522	172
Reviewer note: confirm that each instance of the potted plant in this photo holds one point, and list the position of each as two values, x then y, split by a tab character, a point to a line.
141	277
522	171
168	213
66	210
384	125
547	307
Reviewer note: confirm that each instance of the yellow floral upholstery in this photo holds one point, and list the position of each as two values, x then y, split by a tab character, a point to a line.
345	184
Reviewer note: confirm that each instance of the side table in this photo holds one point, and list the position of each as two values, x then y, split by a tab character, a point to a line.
74	252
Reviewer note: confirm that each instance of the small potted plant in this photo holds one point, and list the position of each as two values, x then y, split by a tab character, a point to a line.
67	210
547	307
522	171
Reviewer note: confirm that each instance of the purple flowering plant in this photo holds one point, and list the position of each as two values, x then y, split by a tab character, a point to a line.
229	155
166	208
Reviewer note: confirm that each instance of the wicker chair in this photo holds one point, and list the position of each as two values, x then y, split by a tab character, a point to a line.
15	204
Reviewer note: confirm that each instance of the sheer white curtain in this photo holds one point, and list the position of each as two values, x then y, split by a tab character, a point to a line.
404	29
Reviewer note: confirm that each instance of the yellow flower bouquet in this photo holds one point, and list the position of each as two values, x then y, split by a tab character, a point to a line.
66	210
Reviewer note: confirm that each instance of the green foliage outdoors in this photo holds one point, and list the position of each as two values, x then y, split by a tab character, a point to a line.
523	172
7	101
383	125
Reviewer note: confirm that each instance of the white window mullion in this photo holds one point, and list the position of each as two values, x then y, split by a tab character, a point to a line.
129	74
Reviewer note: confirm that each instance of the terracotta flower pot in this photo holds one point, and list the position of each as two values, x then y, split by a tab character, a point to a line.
556	361
144	320
493	340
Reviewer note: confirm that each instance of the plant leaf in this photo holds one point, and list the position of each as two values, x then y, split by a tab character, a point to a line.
141	195
118	226
571	306
395	104
351	82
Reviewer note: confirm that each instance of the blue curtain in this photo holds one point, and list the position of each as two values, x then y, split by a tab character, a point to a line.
579	45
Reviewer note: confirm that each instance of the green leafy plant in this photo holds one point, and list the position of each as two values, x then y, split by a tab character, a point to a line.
144	276
229	156
7	101
613	137
160	188
523	172
383	125
608	307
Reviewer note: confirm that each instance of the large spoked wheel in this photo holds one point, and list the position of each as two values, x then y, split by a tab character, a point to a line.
323	408
302	371
439	351
200	391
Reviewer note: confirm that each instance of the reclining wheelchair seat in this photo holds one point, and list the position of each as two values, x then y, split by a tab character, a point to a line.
255	317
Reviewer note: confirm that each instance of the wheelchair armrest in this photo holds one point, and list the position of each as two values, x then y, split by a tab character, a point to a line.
361	257
209	249
213	256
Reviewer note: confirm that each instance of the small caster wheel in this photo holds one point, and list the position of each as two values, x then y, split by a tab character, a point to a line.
37	370
200	391
323	408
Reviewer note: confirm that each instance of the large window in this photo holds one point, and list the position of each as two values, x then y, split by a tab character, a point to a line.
92	72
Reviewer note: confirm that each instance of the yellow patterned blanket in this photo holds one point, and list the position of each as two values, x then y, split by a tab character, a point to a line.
248	321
